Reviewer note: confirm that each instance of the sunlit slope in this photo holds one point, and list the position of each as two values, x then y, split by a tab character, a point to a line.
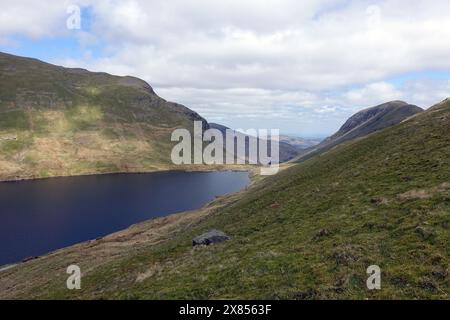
59	121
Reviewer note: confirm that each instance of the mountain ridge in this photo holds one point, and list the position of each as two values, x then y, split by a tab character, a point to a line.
71	121
365	122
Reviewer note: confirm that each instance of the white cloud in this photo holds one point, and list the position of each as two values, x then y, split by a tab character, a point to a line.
31	18
276	59
278	45
373	93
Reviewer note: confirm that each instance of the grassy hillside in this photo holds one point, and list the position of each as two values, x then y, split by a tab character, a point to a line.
56	121
308	233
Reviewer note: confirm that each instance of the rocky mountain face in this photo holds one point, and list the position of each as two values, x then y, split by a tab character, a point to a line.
375	118
366	122
57	121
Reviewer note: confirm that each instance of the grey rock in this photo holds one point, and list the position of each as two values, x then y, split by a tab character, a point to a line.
211	237
425	233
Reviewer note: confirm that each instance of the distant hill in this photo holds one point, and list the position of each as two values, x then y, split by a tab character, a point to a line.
299	143
365	122
57	121
287	151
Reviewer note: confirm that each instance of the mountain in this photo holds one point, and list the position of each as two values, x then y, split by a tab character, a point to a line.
309	232
366	122
287	151
299	143
57	121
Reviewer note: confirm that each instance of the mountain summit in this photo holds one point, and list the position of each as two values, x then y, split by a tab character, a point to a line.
375	118
366	122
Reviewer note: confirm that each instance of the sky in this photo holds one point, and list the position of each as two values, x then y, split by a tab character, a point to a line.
302	67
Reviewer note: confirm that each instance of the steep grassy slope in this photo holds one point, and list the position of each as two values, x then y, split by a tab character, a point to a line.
58	121
308	233
365	122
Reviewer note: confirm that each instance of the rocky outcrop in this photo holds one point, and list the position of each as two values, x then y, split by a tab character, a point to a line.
211	237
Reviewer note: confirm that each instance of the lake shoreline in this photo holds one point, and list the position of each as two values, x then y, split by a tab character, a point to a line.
239	168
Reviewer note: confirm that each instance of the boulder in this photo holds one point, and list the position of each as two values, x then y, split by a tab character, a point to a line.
211	237
425	233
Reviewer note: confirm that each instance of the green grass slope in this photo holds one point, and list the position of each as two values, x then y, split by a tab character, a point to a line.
57	121
308	233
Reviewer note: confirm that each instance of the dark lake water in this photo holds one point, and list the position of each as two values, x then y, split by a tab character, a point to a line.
39	216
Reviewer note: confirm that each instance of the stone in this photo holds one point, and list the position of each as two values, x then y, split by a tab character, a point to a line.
425	233
211	237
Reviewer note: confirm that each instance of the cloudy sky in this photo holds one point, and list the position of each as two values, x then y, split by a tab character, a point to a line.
300	66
